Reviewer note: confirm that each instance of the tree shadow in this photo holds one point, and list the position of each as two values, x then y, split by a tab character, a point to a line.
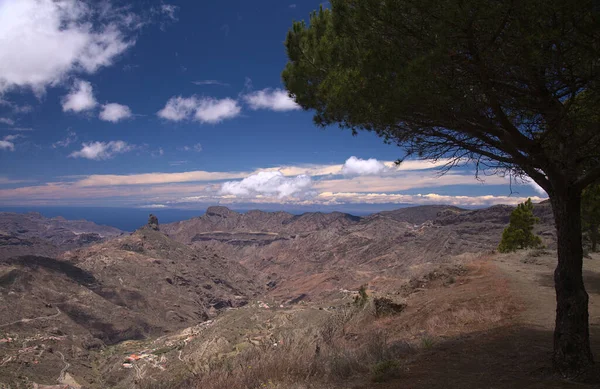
590	278
505	357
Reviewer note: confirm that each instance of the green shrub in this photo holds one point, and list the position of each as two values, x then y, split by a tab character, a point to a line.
427	342
385	370
519	233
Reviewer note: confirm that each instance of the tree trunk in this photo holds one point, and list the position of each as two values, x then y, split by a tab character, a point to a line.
572	352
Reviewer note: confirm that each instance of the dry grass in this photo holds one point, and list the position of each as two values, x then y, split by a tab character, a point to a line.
323	355
355	343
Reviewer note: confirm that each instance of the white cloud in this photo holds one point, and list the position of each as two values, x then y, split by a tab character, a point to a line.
363	167
157	206
179	108
80	98
204	110
44	41
273	99
270	184
7	143
8	121
101	150
114	112
332	198
538	189
71	138
215	111
13	137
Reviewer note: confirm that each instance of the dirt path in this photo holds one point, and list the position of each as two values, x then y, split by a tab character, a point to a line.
516	354
531	279
32	319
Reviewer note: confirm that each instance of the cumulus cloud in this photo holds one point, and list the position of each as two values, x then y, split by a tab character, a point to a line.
178	108
215	111
270	184
204	110
80	98
71	138
8	121
272	99
44	41
101	150
114	112
363	167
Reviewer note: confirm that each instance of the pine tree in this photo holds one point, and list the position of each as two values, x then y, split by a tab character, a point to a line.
519	233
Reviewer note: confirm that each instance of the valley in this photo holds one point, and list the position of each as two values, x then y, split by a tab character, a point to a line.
271	299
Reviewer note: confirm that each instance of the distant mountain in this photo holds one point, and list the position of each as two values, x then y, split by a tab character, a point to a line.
318	253
420	214
222	219
33	234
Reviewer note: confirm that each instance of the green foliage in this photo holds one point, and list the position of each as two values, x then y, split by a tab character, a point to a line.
457	78
361	299
385	370
590	214
519	233
427	342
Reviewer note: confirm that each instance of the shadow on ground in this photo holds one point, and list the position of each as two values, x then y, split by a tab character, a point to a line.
507	357
590	278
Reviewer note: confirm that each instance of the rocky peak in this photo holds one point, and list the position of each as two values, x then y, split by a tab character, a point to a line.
153	222
220	211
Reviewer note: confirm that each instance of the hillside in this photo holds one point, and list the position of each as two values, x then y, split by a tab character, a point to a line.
34	234
195	296
131	287
317	254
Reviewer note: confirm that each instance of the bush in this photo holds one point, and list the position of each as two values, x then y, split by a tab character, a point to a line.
519	233
385	370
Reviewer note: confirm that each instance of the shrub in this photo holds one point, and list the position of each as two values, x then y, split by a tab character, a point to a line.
519	233
427	342
385	370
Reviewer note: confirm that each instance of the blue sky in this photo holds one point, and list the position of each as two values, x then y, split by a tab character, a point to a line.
179	104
